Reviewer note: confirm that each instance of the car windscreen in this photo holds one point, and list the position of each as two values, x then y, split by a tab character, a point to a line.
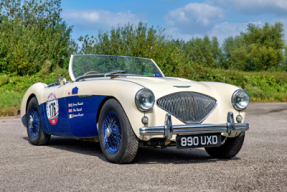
103	64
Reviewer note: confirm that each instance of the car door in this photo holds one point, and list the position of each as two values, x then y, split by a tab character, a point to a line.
82	107
54	111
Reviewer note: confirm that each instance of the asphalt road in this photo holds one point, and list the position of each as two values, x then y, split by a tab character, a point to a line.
72	165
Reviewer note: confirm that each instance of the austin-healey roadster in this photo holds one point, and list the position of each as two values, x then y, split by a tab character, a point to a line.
126	102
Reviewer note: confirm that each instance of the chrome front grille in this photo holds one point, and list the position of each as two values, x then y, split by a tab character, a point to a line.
189	107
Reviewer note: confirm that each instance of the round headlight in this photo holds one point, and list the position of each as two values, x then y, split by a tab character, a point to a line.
144	99
240	99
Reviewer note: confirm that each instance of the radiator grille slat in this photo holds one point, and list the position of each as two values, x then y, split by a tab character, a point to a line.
189	107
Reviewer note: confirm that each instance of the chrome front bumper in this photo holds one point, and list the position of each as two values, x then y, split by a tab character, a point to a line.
168	130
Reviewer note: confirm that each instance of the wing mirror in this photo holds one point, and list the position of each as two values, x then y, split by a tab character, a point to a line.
61	81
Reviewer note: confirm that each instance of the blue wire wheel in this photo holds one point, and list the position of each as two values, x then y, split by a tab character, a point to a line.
112	132
34	121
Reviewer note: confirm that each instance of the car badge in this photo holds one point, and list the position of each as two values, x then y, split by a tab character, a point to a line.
207	106
75	90
178	86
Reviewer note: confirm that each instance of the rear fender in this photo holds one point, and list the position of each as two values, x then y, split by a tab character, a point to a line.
35	90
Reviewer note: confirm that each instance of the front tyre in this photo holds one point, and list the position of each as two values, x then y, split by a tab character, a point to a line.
35	131
118	142
229	149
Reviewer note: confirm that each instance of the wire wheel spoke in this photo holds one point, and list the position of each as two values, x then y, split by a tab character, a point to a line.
34	121
112	128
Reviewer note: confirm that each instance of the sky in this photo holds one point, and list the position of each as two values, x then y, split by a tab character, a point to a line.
182	19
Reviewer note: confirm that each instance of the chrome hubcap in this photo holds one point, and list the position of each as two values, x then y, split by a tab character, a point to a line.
31	120
108	132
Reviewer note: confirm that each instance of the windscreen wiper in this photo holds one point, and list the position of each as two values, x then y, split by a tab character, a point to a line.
114	72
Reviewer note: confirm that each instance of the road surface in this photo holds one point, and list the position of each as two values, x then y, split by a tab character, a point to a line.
73	165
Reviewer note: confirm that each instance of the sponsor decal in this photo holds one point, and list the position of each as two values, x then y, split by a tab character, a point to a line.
78	104
77	110
70	105
79	115
76	115
52	108
70	110
75	90
69	93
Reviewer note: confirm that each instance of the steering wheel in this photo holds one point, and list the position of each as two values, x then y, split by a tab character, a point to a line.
91	72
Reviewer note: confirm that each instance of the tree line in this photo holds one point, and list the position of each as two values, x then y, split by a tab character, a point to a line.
32	32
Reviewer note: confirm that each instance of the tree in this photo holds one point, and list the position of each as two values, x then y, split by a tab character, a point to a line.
257	49
31	32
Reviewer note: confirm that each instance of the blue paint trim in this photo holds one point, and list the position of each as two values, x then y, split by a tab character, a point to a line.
24	120
84	111
84	121
62	126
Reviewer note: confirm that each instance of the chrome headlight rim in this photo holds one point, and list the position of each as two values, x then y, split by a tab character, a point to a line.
233	100
137	100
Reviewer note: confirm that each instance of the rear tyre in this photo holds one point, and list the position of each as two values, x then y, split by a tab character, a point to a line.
229	149
118	142
35	131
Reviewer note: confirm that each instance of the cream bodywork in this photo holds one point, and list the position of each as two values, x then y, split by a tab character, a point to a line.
125	88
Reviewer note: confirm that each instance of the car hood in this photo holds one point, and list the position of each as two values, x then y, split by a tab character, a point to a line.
168	85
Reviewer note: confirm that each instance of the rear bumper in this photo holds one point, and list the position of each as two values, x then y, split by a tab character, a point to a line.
168	130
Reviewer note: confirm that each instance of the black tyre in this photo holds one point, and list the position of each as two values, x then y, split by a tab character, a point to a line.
35	131
118	142
229	149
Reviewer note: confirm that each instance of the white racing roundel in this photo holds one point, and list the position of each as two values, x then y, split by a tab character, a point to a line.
52	108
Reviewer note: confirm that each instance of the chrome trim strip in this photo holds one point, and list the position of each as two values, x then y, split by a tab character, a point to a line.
71	69
168	129
157	68
178	86
84	96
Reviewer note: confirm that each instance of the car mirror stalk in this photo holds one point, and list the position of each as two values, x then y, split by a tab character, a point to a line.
61	81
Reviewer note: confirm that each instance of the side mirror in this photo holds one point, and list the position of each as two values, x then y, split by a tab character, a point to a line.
61	81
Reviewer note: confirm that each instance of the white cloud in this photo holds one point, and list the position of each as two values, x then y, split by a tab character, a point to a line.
225	30
220	30
194	18
176	34
252	7
100	18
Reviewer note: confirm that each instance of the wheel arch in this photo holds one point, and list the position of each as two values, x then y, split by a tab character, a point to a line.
29	99
102	104
34	91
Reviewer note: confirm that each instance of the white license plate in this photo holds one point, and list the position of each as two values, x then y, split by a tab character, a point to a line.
192	141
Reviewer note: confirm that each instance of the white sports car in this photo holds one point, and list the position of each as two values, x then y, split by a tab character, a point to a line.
127	102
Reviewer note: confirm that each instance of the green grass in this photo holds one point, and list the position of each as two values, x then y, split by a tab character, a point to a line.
261	86
10	103
13	88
